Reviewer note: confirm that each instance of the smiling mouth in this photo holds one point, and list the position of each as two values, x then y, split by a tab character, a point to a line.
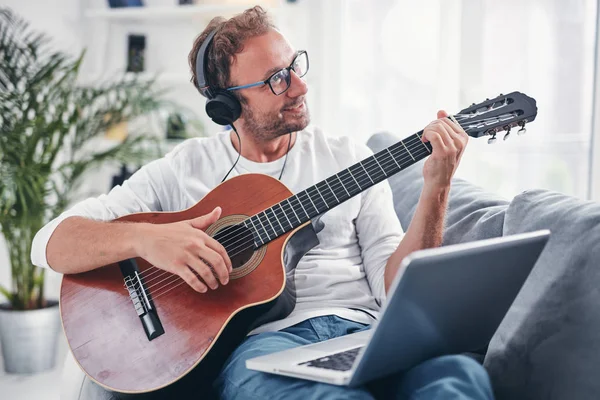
297	107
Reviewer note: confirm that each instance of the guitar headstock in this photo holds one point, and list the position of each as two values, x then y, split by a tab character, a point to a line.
497	115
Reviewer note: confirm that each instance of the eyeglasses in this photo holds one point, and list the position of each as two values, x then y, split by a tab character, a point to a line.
280	81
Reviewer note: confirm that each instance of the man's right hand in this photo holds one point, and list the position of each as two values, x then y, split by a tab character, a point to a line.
181	247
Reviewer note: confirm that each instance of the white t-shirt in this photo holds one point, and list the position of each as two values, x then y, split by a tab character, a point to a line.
341	276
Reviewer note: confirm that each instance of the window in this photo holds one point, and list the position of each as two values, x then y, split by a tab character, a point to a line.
399	61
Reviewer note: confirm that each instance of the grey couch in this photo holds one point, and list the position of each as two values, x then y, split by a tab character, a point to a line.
548	346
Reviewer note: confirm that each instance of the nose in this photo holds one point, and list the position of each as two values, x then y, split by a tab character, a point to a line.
298	86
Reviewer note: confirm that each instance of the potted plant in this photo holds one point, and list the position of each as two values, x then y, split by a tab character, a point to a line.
49	123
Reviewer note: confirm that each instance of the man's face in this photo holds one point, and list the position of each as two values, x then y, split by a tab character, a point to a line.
265	115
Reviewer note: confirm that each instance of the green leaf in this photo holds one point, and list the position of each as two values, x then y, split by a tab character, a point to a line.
6	293
48	125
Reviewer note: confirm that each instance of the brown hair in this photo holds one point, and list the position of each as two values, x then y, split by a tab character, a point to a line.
227	42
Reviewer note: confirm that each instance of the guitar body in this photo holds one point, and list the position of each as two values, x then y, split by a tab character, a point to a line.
106	336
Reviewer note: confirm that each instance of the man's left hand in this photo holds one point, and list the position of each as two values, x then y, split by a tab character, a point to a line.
448	141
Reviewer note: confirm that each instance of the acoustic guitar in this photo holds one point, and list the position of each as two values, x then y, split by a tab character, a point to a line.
134	328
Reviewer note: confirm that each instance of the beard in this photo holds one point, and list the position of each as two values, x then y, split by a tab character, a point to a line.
270	125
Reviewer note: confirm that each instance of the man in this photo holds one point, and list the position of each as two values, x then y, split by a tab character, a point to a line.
340	283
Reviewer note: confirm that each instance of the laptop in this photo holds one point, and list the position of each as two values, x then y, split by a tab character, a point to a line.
445	300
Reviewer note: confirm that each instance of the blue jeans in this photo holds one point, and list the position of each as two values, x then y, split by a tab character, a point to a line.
447	377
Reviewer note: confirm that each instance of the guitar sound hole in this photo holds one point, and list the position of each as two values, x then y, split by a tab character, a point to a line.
242	258
239	243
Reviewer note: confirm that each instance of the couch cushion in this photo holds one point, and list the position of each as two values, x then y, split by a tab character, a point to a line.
548	345
472	213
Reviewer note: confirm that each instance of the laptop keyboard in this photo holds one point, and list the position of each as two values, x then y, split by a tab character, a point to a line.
341	361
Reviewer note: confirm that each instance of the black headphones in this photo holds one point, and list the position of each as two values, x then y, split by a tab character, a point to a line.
222	106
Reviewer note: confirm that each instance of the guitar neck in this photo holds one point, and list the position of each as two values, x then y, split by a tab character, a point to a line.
329	193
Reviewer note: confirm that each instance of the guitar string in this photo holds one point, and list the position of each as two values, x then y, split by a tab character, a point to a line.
389	160
386	162
248	235
180	283
300	199
308	195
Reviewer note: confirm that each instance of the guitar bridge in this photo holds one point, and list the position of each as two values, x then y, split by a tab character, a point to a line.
141	299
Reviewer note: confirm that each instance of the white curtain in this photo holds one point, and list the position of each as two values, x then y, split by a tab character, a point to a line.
389	65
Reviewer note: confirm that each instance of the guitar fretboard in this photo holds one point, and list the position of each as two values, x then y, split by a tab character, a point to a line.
329	193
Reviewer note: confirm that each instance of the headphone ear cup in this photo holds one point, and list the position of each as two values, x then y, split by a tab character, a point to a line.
223	108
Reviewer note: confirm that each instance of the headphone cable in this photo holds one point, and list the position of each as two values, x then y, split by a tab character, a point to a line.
240	153
286	155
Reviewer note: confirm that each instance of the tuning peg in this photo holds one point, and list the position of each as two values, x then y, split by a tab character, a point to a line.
522	131
492	140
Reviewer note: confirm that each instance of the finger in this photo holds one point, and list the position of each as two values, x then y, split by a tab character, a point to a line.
437	127
430	135
188	276
217	263
204	270
216	246
445	133
205	221
455	126
457	134
442	114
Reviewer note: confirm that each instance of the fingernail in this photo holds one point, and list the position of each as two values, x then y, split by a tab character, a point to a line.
203	290
225	281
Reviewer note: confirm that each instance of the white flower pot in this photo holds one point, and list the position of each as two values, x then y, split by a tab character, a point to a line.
29	338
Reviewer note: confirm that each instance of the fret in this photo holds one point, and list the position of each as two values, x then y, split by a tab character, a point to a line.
251	231
350	172
317	199
269	221
338	200
394	158
272	212
359	174
296	198
318	191
377	161
389	162
302	197
423	143
409	153
294	211
342	183
258	231
266	225
312	202
369	176
285	215
405	161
